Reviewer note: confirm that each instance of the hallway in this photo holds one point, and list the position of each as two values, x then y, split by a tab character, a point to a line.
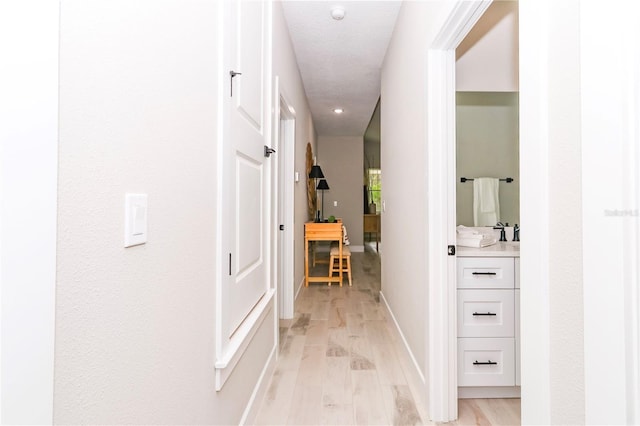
342	362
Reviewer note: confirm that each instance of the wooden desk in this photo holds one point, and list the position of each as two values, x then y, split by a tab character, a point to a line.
321	232
371	223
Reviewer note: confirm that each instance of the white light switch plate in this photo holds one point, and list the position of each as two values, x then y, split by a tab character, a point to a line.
135	219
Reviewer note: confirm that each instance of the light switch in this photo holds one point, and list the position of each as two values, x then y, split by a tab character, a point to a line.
135	220
296	176
335	204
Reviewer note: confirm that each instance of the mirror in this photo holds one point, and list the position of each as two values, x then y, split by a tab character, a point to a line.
487	145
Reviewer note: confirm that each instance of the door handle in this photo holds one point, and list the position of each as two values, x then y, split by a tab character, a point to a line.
268	151
233	74
491	314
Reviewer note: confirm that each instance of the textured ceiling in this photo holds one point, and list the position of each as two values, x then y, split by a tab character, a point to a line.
340	60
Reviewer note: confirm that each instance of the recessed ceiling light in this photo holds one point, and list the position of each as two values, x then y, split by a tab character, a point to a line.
338	110
338	13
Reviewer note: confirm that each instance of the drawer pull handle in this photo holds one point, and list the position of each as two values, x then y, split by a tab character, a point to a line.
483	273
481	314
485	363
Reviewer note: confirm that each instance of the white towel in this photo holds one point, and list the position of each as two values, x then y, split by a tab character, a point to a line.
472	242
345	237
468	233
462	230
474	237
486	201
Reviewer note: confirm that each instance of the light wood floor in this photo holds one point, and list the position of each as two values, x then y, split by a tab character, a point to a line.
341	362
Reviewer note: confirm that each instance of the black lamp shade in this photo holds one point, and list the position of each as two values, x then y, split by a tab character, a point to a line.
323	184
316	173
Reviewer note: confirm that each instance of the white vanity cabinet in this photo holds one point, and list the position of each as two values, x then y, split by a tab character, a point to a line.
488	324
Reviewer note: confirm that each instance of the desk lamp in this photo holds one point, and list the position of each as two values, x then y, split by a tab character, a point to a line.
315	174
323	186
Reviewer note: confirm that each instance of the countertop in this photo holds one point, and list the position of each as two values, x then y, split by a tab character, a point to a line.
499	249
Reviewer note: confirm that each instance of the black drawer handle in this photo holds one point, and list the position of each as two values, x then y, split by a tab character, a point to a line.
482	314
483	273
485	363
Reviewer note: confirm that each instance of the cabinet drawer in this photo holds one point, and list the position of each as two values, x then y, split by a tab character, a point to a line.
485	313
485	272
486	361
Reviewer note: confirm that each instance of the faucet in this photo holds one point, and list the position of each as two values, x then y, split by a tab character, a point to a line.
516	233
500	226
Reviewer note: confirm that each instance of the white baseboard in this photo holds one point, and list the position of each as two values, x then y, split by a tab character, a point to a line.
416	366
298	289
253	406
356	249
489	392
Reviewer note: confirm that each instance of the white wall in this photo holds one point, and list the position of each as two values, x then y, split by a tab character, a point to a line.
403	156
487	59
552	317
286	68
579	149
610	150
135	327
29	165
565	254
341	159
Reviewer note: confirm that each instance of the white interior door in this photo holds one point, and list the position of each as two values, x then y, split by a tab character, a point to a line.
286	143
249	170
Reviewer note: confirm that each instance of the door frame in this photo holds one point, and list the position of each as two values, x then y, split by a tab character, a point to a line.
284	129
29	187
441	208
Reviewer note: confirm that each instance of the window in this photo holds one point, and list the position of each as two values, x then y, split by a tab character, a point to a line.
374	188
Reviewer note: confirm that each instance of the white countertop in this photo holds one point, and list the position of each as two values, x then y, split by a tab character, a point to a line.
499	249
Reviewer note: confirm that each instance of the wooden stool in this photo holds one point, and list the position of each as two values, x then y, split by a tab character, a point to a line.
335	263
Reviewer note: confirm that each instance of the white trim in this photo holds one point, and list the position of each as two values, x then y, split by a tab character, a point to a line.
609	179
29	113
242	337
440	160
221	210
462	19
356	249
405	344
299	288
283	111
489	392
253	406
632	244
442	304
534	212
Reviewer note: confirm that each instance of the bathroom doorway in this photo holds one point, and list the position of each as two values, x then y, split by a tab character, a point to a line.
372	177
487	212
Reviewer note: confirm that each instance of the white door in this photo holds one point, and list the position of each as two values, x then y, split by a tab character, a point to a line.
248	176
286	142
